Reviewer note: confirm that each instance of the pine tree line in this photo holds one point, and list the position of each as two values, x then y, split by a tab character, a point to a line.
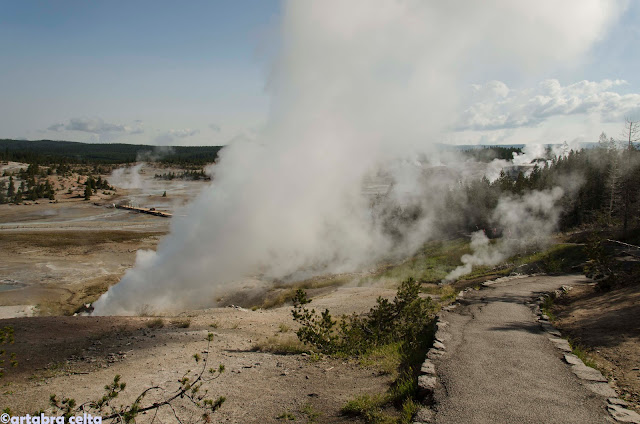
193	175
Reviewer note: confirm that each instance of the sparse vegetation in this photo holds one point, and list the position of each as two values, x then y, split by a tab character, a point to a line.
190	388
399	331
284	328
65	239
155	323
310	413
369	408
576	348
581	353
373	408
6	338
386	358
436	259
405	320
181	323
288	416
601	266
430	264
282	293
281	346
547	306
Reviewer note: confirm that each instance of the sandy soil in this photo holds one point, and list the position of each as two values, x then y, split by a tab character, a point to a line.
58	271
607	325
54	257
77	356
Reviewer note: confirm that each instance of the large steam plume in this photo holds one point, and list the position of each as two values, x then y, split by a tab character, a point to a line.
358	88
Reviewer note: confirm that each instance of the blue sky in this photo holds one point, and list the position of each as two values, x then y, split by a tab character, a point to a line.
191	73
175	66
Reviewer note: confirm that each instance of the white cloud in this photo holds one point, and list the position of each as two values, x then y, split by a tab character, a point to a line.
215	127
170	137
96	126
183	133
495	106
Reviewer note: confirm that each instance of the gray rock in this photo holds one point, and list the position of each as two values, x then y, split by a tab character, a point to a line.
424	415
441	326
442	336
587	373
553	332
428	368
438	345
434	353
561	344
426	386
617	401
623	415
572	359
546	326
602	389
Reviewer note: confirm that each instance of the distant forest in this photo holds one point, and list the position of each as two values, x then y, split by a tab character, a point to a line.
50	152
606	178
46	152
489	153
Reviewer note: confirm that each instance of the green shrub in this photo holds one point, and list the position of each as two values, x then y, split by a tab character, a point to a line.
600	266
405	320
398	332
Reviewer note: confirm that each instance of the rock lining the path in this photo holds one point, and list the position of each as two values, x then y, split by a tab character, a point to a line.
592	378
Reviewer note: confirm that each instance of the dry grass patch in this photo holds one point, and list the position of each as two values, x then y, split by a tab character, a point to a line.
155	323
282	293
66	239
284	345
181	323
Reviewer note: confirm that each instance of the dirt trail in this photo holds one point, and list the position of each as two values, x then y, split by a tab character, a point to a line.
500	366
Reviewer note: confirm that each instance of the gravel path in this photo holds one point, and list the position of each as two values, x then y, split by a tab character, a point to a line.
500	367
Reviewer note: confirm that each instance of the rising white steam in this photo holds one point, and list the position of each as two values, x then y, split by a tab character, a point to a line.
358	88
128	177
525	221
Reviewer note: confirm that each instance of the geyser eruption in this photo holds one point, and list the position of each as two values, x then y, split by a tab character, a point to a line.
356	87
